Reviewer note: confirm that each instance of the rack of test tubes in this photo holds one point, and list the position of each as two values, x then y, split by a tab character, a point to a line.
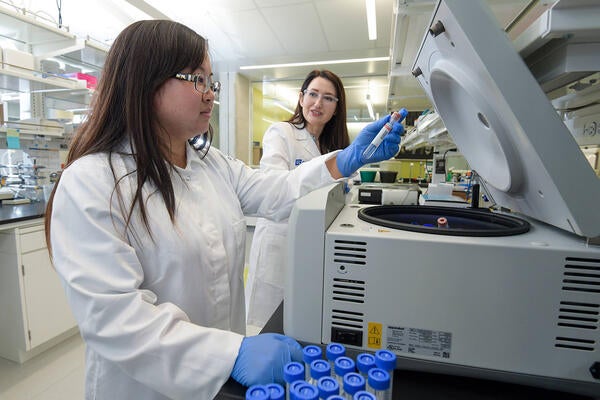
332	376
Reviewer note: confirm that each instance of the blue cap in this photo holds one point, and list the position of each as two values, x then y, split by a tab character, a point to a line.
293	371
379	379
364	362
343	365
293	387
353	383
257	392
304	391
385	359
335	350
336	397
328	386
311	353
364	395
319	368
276	391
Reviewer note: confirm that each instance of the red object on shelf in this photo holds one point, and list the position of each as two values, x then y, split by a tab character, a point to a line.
91	81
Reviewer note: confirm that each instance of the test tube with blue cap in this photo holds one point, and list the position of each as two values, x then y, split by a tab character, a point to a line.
353	382
318	369
364	362
310	353
379	383
276	391
364	395
292	372
378	139
343	366
305	391
328	386
332	352
386	360
257	392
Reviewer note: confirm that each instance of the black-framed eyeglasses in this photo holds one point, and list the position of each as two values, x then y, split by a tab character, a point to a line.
202	83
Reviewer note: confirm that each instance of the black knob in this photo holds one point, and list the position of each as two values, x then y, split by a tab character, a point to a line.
437	28
416	72
595	370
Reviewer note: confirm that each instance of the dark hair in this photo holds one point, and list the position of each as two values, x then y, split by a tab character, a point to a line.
335	133
143	57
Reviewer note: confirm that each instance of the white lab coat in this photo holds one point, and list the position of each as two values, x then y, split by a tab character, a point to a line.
284	148
163	317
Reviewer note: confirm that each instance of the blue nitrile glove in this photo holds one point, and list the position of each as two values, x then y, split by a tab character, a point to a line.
351	158
262	357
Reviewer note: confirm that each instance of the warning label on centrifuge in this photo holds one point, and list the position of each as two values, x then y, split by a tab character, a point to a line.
419	341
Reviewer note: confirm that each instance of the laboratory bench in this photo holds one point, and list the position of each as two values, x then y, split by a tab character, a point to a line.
416	385
16	213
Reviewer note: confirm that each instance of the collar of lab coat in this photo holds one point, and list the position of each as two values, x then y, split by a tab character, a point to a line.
302	135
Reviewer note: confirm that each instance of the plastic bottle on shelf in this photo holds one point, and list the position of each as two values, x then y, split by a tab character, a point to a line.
353	382
257	392
343	365
328	386
379	383
292	372
386	360
364	362
318	369
276	391
310	353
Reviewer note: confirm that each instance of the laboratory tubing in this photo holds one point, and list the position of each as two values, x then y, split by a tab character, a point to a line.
386	360
353	382
304	391
318	369
292	372
364	362
379	383
328	386
333	351
364	395
276	391
343	365
257	392
372	147
310	353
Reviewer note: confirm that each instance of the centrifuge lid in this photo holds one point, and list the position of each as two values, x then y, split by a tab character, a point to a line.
502	122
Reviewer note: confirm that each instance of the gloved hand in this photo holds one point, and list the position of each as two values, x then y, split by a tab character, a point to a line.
262	357
351	158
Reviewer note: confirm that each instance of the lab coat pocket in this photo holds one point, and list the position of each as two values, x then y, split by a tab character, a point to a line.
272	259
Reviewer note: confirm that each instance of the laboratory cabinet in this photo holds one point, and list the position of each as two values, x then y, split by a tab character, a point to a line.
34	312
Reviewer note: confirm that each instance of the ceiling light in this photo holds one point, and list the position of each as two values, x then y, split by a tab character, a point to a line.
371	19
308	63
370	107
